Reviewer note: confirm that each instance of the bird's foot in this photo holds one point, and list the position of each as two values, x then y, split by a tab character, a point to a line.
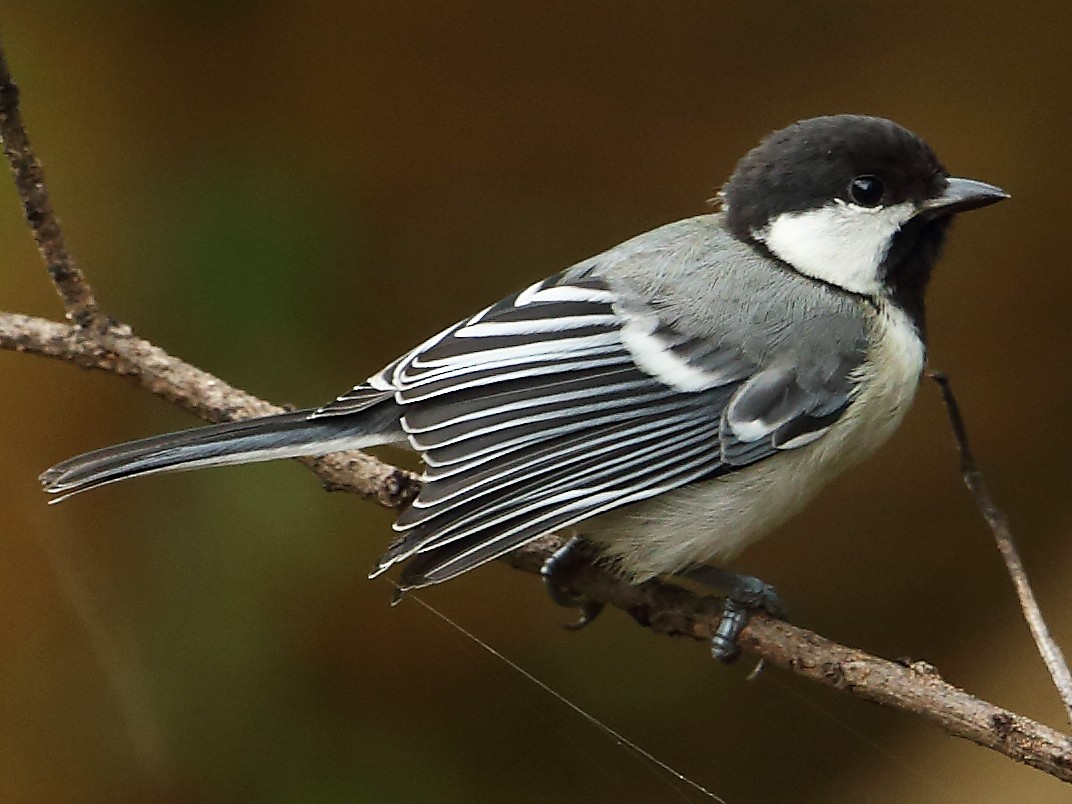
744	595
555	572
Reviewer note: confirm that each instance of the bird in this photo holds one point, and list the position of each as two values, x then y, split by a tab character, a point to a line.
666	402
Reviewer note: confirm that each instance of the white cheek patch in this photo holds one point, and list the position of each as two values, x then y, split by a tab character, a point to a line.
843	244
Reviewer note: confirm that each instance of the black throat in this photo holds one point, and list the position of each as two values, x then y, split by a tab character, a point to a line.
908	266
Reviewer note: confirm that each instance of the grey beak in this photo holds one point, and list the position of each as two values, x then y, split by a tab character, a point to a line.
960	195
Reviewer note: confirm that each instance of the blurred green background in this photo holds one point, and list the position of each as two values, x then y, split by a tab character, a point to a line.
288	194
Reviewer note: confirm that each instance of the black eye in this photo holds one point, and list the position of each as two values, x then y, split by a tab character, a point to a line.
866	191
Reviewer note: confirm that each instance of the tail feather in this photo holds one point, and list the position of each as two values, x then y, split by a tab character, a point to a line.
285	435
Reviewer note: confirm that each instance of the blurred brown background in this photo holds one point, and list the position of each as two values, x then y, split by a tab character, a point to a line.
288	194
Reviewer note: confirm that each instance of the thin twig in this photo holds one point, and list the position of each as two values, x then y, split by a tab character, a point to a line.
78	298
999	526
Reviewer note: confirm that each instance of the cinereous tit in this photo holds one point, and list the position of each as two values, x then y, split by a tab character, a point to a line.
669	400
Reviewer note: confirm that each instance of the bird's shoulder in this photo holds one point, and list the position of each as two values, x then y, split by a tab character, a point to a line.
702	282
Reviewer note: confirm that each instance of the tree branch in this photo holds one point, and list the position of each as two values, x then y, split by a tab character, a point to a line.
999	526
77	295
916	688
97	342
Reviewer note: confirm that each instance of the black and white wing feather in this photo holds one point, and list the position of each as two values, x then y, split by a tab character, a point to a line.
567	400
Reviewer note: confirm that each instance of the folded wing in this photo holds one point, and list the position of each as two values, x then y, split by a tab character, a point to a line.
570	399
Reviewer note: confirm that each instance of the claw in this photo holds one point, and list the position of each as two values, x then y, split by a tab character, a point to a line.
553	568
590	609
724	643
744	594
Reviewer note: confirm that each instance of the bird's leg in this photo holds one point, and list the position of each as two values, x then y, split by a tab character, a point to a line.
556	569
744	594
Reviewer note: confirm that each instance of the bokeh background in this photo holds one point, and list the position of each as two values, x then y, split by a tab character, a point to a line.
288	194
